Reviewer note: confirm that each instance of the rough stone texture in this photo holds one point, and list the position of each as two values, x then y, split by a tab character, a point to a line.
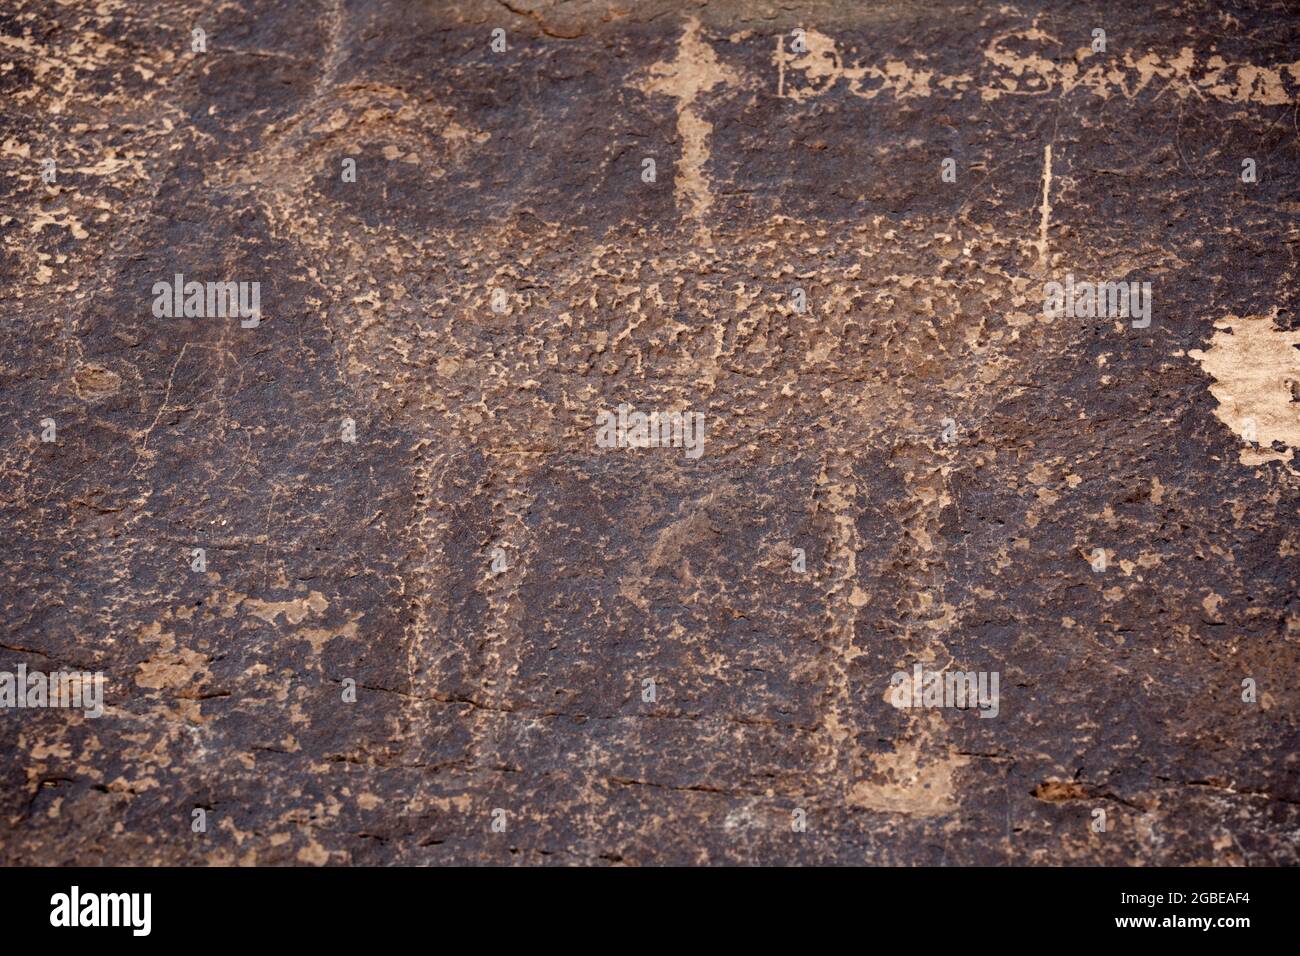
522	690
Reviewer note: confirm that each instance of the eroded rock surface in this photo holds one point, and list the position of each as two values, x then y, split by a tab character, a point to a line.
950	460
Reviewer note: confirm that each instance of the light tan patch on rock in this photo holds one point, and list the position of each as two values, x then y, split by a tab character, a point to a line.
1257	377
295	612
171	670
1058	791
317	637
910	783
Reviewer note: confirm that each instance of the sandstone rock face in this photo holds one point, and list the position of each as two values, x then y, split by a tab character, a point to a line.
376	571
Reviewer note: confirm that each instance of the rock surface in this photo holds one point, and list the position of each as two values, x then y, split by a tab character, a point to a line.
949	459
